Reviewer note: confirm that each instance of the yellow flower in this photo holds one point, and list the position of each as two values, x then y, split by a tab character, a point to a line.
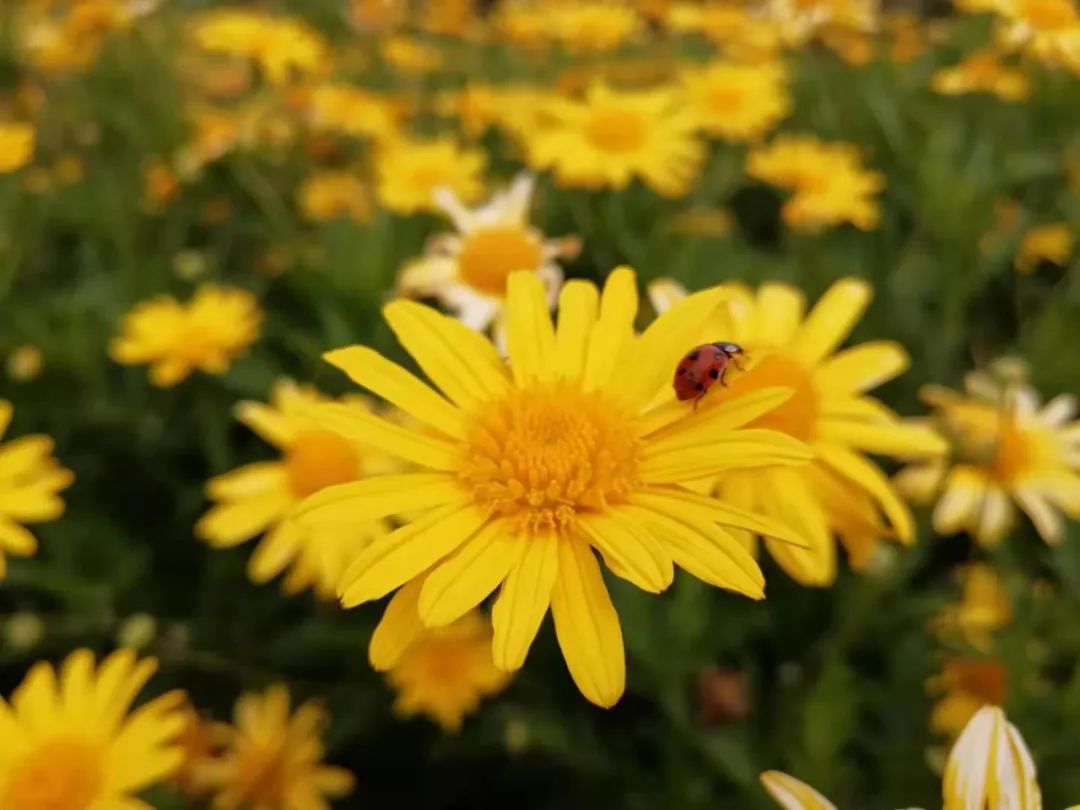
828	182
966	685
17	142
1046	29
1051	243
445	672
273	759
524	26
352	111
200	742
411	56
841	492
909	37
160	185
1003	451
990	768
791	794
410	171
611	137
69	740
30	479
207	333
738	102
449	18
731	26
593	26
983	72
532	464
983	608
799	20
334	195
467	271
25	362
280	46
261	497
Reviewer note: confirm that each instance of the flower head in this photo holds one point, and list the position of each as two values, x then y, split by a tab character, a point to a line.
965	686
71	741
273	757
280	46
610	137
217	325
828	181
260	497
983	608
983	72
353	111
593	26
1051	243
333	195
1005	450
445	672
531	467
1046	29
990	768
842	492
17	142
467	271
738	102
30	480
410	171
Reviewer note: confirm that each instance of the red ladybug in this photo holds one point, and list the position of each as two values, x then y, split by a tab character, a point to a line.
703	366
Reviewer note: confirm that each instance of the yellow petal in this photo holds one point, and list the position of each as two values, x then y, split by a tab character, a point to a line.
798	507
995	517
664	293
715	416
23	455
368	368
791	794
275	552
629	551
989	766
14	539
614	328
465	579
233	523
587	625
462	363
736	450
399	627
375	498
866	475
962	494
577	313
271	423
831	320
665	500
898	441
6	412
391	561
247	481
529	333
862	367
780	307
522	602
368	429
1048	521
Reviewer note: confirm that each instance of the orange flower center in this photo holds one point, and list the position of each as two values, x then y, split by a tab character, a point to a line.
541	455
1013	453
798	415
986	680
64	773
617	129
489	256
319	459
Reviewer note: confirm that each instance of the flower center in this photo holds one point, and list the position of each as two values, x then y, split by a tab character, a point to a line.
1013	452
726	98
798	415
64	773
986	680
490	255
319	459
1049	15
541	455
616	129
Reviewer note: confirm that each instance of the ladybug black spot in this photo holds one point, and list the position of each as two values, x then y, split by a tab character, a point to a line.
714	373
693	356
699	387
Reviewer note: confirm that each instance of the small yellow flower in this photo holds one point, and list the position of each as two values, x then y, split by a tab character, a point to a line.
612	137
217	325
409	172
828	181
983	72
478	106
1047	29
791	794
445	672
800	20
449	18
1051	243
965	686
908	34
524	26
70	739
1005	451
352	111
30	479
990	768
533	465
280	46
160	186
260	497
983	608
730	26
593	26
25	363
17	142
468	271
273	758
411	56
333	195
841	493
738	102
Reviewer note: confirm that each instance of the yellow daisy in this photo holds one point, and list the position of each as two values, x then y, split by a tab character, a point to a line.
531	465
828	181
990	767
30	479
983	72
333	195
1046	29
341	108
17	142
1006	451
409	172
593	26
799	20
445	672
260	497
791	794
732	26
467	271
611	137
411	56
217	325
1051	243
841	492
69	741
965	685
282	47
273	759
983	607
738	102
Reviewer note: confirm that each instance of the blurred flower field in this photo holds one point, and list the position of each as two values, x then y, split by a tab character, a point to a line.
346	454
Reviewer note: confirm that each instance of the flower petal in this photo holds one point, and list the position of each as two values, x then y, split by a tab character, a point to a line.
16	540
961	496
866	475
613	330
378	497
399	627
716	415
898	441
862	367
738	449
577	314
231	524
831	320
523	600
529	333
797	506
665	500
781	308
1048	521
251	479
373	431
630	552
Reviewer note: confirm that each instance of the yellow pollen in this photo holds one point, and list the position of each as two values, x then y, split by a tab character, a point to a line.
798	415
319	459
489	256
616	129
541	456
64	773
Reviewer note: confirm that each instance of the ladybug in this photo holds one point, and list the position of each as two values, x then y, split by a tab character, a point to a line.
702	366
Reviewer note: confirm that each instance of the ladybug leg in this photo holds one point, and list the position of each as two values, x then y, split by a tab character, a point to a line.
722	378
735	362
